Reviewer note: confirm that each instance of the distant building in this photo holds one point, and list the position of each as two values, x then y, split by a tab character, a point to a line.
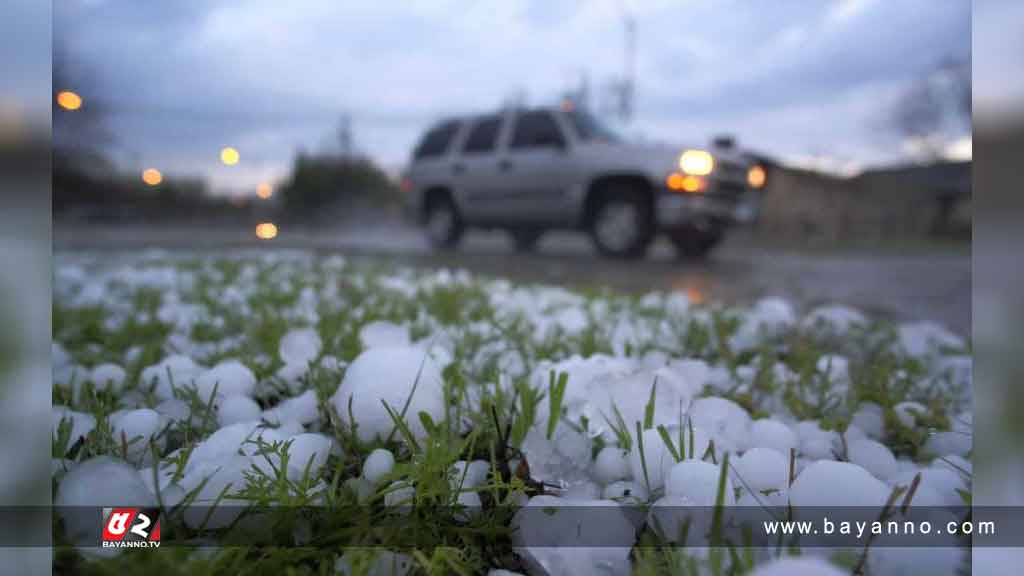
913	201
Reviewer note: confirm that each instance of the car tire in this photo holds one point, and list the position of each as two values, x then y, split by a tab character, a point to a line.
621	222
694	242
525	239
443	223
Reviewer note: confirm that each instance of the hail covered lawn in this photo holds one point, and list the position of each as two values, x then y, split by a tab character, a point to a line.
284	380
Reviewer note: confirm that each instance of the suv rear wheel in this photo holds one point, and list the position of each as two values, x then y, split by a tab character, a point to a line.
443	223
621	223
696	242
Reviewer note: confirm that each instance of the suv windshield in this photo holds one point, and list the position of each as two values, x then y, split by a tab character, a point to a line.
589	128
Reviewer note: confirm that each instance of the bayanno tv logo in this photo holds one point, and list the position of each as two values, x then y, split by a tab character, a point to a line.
131	527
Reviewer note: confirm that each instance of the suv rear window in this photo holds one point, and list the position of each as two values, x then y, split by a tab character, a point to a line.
436	141
536	130
483	136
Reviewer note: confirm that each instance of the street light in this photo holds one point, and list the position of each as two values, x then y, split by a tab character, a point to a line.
152	176
68	100
264	191
229	156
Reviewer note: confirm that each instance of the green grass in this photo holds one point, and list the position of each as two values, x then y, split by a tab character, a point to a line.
489	345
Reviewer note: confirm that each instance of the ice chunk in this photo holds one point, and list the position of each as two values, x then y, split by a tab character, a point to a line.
136	429
393	376
309	449
301	409
471	475
927	338
696	482
909	412
870	418
873	457
612	464
831	483
768	433
383	334
80	422
236	408
761	469
378	464
726	421
299	347
834	320
108	377
98	482
172	372
564	459
230	377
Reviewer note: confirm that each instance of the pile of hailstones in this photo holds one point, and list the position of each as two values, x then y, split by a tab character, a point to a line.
596	386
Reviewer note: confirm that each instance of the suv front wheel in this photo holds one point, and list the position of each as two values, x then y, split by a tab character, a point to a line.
621	224
443	223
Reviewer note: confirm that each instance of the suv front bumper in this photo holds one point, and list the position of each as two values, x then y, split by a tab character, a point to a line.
676	209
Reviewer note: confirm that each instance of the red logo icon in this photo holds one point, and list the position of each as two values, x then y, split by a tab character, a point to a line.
131	527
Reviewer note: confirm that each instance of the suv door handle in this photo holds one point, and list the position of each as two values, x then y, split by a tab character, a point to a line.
504	165
458	168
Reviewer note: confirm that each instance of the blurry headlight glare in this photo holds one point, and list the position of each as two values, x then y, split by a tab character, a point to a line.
696	162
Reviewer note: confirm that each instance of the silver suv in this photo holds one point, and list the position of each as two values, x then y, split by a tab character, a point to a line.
527	171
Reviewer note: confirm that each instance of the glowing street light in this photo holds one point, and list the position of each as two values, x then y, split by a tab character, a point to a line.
229	156
69	100
152	176
264	191
266	230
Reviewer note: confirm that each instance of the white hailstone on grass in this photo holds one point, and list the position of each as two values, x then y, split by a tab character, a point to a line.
222	444
798	566
873	457
300	346
696	482
399	494
291	375
815	443
229	377
612	464
309	450
630	395
585	490
564	459
650	468
909	412
761	469
178	370
393	376
80	423
957	464
552	536
626	490
834	319
108	377
301	409
835	368
949	443
378	464
769	318
768	433
870	418
943	481
471	474
236	408
381	334
210	481
100	481
926	338
70	375
471	503
726	421
831	483
136	429
174	410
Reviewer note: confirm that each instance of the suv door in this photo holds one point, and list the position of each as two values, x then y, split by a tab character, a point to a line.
537	169
476	172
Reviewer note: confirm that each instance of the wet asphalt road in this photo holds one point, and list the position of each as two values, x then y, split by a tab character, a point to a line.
910	283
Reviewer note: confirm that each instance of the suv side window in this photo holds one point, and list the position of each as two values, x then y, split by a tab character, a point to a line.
536	130
483	136
436	141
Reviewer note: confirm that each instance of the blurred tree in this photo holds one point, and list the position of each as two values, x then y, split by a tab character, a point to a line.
326	181
936	107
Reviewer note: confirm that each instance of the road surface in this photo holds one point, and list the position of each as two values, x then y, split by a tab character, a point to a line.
909	284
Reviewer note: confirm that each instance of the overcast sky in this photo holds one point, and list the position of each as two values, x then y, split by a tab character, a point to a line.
798	79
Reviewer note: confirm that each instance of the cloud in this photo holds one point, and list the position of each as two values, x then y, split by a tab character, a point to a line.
187	77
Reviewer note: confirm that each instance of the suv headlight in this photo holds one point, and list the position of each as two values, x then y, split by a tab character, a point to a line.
697	162
756	176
